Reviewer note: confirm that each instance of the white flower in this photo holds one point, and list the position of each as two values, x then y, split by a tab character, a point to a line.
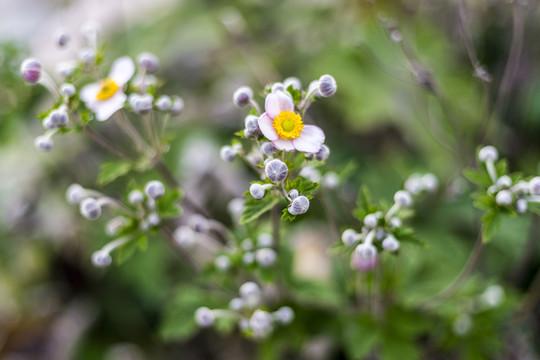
107	96
281	125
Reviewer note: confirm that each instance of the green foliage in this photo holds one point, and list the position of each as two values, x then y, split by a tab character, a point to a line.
169	204
127	250
364	206
296	94
112	170
254	208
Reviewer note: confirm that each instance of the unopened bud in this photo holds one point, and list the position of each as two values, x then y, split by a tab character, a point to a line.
204	317
75	193
292	81
323	153
390	244
276	170
135	197
61	37
504	198
164	103
67	89
349	237
299	206
267	148
177	106
154	189
149	62
101	259
403	198
327	86
44	143
184	237
242	96
227	153
90	208
31	70
534	185
488	153
266	257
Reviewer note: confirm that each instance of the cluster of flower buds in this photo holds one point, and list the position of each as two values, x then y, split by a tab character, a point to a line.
279	133
247	311
141	215
381	230
104	97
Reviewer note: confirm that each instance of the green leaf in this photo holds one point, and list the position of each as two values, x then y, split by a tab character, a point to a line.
477	177
287	215
168	204
127	250
363	203
111	171
296	94
491	222
407	235
361	336
304	186
254	208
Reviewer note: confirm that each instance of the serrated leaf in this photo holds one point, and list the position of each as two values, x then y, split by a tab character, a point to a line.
287	215
304	186
296	94
111	171
254	208
491	222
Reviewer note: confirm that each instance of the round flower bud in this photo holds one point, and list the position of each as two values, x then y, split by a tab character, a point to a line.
284	315
276	170
252	126
242	96
101	259
534	185
90	208
462	325
153	219
390	243
31	70
149	62
504	181
265	240
204	317
267	148
236	304
488	153
330	180
227	154
293	194
141	104
67	89
248	258
521	206
323	153
292	81
430	182
87	55
504	198
349	237
261	323
184	237
154	189
361	264
492	189
380	234
61	37
222	263
396	222
75	193
414	184
366	251
493	296
44	143
327	86
266	257
135	197
59	117
370	221
164	103
150	204
278	87
249	290
299	206
47	123
403	198
236	207
177	105
257	191
199	223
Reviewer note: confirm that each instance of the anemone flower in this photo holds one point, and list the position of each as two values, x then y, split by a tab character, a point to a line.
281	125
106	97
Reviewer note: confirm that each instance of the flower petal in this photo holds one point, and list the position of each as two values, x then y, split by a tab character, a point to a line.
283	144
277	102
105	109
88	93
310	140
267	128
122	70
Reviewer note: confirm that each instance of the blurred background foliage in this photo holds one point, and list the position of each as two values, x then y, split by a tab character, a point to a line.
402	106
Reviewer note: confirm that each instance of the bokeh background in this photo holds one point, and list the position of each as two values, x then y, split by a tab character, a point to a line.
408	101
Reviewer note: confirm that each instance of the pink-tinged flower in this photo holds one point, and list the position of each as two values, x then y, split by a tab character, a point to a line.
281	125
107	96
362	264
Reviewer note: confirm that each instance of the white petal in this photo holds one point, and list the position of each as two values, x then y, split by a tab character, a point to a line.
310	140
267	128
105	109
284	144
277	102
122	70
89	93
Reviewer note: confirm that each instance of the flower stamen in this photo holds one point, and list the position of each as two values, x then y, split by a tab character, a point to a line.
288	125
108	89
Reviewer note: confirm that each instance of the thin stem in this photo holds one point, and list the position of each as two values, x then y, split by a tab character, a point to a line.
130	131
106	144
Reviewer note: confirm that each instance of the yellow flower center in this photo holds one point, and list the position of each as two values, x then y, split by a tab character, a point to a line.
108	89
288	125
